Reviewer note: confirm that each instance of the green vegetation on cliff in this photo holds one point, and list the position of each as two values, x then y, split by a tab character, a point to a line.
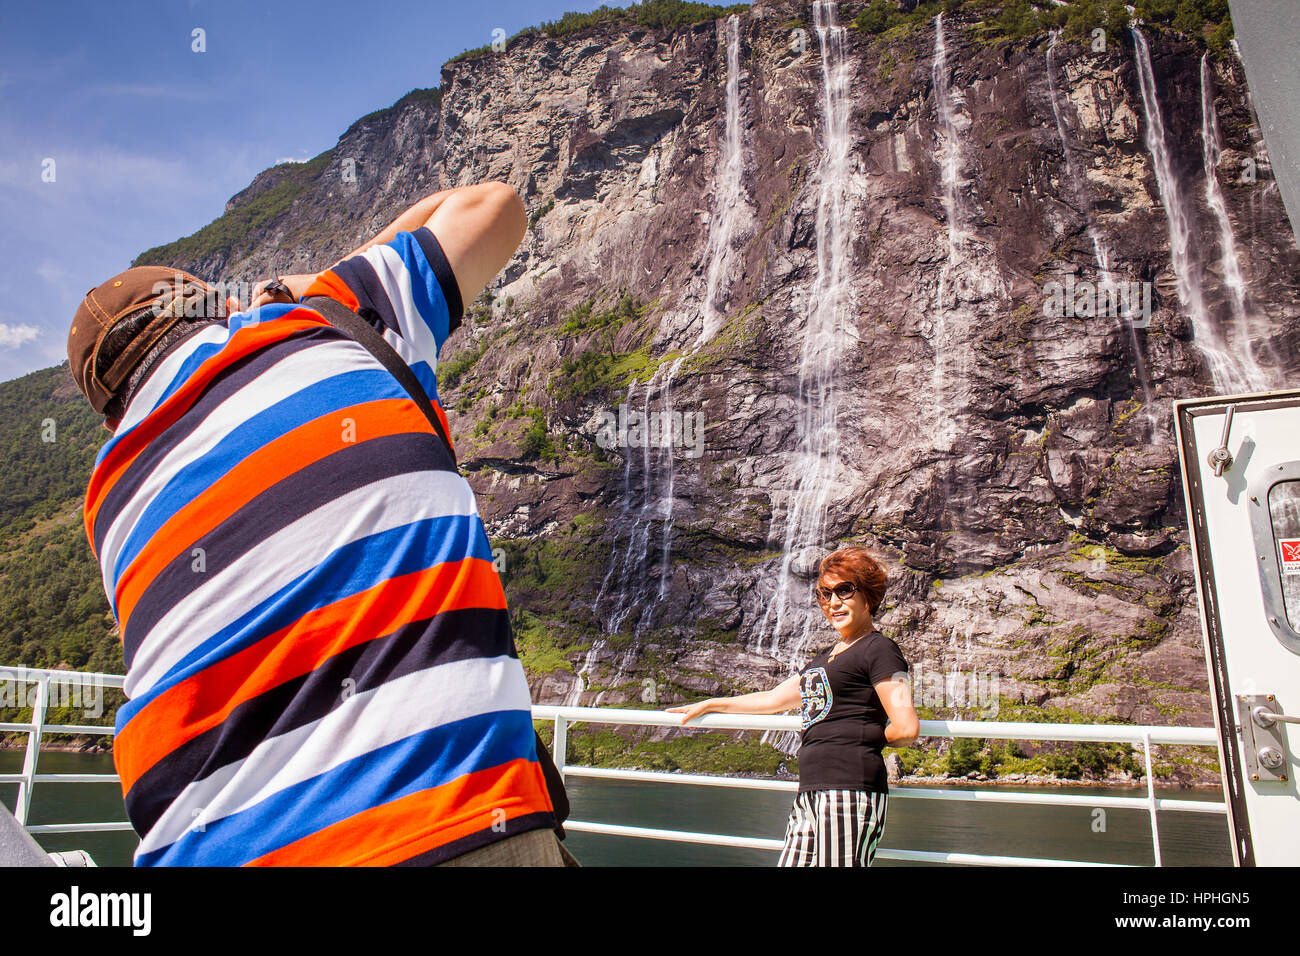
1207	21
598	367
651	14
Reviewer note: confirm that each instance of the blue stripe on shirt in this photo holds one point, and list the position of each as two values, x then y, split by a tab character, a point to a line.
426	291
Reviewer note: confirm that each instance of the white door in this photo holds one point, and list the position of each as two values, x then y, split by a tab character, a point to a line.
1245	531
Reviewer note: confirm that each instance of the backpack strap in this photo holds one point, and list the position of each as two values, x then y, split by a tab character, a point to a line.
364	334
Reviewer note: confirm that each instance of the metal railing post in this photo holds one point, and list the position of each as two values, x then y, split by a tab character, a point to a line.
561	744
1151	798
33	751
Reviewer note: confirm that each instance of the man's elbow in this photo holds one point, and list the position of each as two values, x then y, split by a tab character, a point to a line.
509	211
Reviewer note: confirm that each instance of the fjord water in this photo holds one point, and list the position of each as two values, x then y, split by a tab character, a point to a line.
1186	839
1066	833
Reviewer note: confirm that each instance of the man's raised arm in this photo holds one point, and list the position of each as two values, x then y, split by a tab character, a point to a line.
479	228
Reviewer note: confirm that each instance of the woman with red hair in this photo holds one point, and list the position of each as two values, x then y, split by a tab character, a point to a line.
855	700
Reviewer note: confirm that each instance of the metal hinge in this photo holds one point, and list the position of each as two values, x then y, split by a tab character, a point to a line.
1260	725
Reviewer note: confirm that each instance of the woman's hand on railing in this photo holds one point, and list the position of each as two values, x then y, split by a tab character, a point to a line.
775	701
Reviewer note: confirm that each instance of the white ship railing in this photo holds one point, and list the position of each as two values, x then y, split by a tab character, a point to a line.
46	682
1143	736
565	717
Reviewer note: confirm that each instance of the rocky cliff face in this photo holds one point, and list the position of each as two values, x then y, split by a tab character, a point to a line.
834	252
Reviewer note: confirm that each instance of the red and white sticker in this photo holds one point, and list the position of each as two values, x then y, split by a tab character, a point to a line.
1290	556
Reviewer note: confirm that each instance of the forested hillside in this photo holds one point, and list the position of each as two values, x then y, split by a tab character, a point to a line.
52	607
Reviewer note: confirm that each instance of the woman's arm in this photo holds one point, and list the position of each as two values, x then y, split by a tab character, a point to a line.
904	725
779	699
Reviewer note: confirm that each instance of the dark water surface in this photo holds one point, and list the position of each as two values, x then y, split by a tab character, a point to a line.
1065	833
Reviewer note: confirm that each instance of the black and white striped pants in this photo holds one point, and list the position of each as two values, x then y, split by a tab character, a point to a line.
834	828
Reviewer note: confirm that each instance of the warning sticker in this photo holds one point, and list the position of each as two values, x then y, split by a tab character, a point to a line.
1290	556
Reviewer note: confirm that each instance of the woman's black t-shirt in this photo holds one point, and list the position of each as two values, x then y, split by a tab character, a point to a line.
843	718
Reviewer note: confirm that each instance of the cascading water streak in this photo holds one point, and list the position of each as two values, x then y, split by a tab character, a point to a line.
1212	149
950	371
828	315
574	696
730	206
658	462
627	569
1226	369
730	211
1100	253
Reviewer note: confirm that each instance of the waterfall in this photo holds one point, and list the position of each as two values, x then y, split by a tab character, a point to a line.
948	151
730	211
1226	370
627	569
574	697
969	273
1212	149
670	409
828	316
730	206
659	473
1101	255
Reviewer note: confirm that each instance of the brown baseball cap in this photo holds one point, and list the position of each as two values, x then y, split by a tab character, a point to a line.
170	294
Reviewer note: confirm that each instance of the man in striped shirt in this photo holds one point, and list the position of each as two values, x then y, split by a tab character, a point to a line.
320	668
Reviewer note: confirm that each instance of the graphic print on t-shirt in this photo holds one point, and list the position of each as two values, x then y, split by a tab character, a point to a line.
815	689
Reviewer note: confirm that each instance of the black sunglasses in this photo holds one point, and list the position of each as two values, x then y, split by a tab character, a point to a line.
844	590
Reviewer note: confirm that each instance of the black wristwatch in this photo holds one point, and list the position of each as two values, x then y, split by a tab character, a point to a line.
278	288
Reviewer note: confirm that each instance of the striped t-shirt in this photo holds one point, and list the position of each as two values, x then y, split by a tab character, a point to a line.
320	668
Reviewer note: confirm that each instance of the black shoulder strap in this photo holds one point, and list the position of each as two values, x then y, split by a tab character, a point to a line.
357	328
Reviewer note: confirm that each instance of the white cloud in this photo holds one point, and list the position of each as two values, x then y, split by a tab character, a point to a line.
12	336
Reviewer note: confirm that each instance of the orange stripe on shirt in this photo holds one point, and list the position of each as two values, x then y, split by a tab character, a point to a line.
400	829
244	342
265	467
330	285
204	700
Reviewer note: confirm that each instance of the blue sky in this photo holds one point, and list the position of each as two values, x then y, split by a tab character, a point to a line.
149	138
